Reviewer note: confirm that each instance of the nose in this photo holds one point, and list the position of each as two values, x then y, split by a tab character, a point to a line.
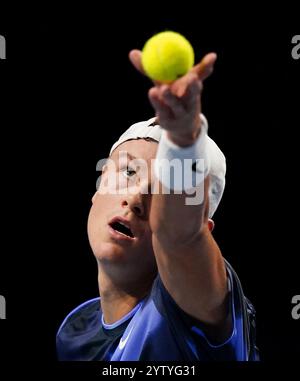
139	202
135	206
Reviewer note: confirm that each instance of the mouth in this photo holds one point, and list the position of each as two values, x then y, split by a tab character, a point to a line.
121	227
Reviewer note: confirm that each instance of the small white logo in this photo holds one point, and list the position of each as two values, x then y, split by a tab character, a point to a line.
2	307
296	49
123	342
296	308
2	48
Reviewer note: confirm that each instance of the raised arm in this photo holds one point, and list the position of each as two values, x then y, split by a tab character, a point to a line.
189	260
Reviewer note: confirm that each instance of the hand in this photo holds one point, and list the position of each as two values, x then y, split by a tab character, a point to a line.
178	105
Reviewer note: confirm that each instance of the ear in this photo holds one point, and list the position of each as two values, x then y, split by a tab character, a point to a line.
94	197
211	225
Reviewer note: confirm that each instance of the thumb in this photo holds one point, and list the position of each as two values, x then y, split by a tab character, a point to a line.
135	56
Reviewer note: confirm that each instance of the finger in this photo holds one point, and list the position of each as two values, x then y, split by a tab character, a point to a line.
135	56
181	87
193	92
172	101
205	68
161	109
192	98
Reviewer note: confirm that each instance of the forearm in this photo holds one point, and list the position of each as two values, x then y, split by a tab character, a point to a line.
194	275
174	222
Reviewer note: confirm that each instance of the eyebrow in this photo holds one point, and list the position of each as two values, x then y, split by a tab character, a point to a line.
130	155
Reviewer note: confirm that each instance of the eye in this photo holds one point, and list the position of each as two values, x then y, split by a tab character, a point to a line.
129	172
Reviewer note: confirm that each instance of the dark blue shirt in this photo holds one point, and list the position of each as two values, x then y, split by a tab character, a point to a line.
156	329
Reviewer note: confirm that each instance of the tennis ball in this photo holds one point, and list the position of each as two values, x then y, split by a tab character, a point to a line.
167	56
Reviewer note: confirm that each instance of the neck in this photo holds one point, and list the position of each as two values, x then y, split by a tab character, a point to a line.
118	299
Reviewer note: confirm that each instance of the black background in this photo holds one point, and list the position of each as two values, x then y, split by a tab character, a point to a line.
68	91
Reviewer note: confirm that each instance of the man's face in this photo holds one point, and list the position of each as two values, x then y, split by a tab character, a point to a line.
118	224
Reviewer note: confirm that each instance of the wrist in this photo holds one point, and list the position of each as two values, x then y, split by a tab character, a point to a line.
187	138
182	168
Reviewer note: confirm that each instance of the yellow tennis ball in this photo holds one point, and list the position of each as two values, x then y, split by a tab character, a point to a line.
167	56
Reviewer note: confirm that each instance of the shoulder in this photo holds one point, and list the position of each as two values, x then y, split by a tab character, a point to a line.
238	344
81	316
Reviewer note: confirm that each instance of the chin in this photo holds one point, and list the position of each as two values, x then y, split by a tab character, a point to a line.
110	252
